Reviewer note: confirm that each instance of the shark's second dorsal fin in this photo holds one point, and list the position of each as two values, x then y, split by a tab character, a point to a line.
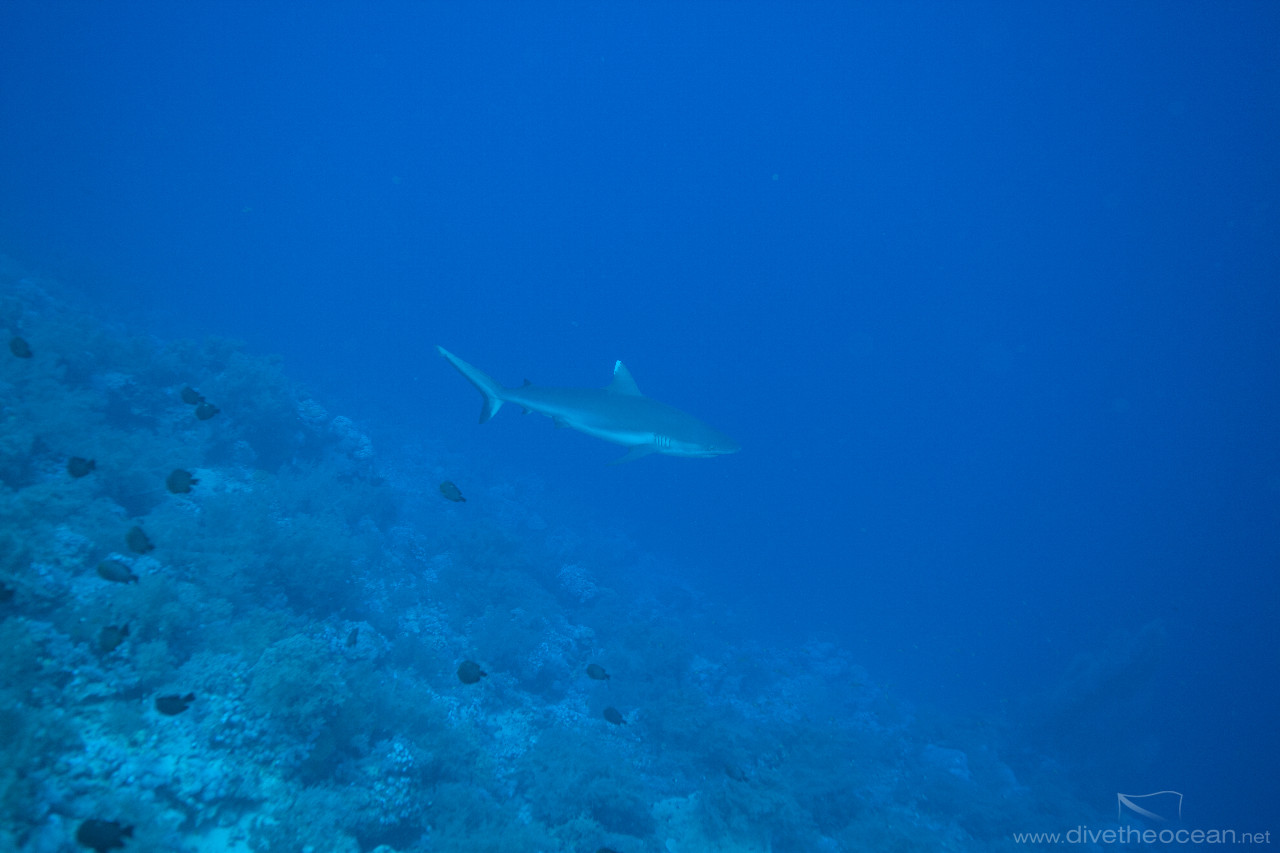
622	382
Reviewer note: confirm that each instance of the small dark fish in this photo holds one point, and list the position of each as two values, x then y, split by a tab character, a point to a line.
78	466
452	492
180	481
103	835
114	570
19	347
204	411
614	716
173	705
469	672
353	638
138	541
110	638
6	593
191	396
596	672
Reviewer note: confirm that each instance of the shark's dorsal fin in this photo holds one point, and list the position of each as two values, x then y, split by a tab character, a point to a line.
622	382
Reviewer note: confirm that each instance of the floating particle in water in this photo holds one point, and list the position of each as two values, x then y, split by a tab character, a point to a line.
138	541
110	638
19	347
206	410
180	481
614	716
116	571
469	672
452	492
191	396
596	672
103	835
78	466
173	704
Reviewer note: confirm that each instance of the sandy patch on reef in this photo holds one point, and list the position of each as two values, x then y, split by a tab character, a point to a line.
681	829
224	839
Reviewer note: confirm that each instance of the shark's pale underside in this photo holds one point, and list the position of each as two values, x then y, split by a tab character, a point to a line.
618	413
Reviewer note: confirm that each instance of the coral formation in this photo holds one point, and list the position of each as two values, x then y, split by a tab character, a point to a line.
316	601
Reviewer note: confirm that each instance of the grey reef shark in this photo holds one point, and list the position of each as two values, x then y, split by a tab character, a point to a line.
617	413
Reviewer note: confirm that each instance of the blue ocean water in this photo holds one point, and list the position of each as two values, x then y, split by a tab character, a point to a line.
988	293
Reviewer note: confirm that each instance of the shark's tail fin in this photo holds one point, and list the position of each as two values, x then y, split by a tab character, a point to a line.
491	390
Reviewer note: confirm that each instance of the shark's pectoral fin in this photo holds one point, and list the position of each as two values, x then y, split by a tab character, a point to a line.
634	454
560	423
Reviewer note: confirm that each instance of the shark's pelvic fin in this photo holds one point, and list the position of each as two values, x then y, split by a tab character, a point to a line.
484	383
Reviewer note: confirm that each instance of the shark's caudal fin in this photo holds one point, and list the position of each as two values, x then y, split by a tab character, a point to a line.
491	390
